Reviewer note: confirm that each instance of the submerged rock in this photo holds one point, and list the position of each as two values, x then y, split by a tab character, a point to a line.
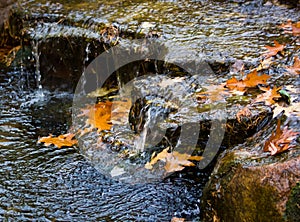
250	185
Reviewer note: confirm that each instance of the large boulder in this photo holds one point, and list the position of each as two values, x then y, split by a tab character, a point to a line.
248	184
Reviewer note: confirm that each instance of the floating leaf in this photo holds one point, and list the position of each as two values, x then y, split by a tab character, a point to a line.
60	141
174	161
251	80
273	50
295	69
280	140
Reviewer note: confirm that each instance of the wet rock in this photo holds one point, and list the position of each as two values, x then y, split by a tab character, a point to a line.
5	6
250	185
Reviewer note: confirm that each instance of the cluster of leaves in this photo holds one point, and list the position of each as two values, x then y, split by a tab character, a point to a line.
280	140
269	95
101	115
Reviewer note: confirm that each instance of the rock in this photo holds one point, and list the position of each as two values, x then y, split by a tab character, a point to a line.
250	185
5	6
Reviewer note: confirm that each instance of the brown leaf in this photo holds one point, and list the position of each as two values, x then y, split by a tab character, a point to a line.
273	50
295	69
270	95
280	140
251	80
60	141
174	161
177	219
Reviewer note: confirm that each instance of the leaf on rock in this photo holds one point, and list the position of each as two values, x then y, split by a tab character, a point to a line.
295	69
252	80
273	50
174	161
280	140
213	93
60	141
99	115
270	96
293	109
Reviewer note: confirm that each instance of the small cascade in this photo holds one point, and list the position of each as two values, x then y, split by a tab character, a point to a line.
151	134
36	54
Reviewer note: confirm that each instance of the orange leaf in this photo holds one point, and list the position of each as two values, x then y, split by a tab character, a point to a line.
60	141
296	29
280	140
273	50
269	96
295	69
251	80
175	161
99	115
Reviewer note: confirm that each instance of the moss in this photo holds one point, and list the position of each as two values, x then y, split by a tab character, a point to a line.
292	213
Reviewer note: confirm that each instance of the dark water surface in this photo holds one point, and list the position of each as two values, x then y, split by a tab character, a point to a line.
39	183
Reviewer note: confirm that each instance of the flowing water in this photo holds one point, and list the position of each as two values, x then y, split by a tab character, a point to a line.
46	183
39	183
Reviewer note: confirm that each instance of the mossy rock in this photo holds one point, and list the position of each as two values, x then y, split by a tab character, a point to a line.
248	184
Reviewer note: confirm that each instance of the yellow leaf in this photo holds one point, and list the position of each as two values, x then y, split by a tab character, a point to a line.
174	161
60	141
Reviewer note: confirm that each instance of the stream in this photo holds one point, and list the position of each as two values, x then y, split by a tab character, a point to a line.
44	183
39	183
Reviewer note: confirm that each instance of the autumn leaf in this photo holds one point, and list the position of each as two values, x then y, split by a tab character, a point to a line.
295	69
270	96
251	80
60	141
174	161
213	93
177	219
99	115
280	140
273	50
292	109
